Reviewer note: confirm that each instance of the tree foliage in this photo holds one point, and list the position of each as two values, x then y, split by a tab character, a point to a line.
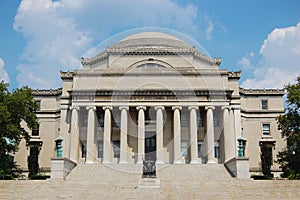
15	106
289	124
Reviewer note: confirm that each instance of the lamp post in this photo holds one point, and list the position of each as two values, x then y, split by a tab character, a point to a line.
58	142
241	146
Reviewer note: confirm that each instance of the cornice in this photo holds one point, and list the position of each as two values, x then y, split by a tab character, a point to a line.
150	50
209	93
96	59
66	75
47	92
234	75
262	92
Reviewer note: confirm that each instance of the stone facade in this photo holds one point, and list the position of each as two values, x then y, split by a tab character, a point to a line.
153	96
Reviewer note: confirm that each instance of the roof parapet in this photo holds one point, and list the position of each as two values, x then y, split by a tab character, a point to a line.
66	75
277	91
47	92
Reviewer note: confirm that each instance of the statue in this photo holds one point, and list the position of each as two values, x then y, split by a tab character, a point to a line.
149	168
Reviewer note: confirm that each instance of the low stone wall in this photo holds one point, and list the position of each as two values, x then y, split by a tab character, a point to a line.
238	167
61	167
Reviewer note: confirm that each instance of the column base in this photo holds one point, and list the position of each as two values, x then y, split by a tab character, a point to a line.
106	162
212	161
196	161
180	160
123	162
89	162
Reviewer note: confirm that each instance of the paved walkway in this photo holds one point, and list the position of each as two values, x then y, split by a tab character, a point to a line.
209	181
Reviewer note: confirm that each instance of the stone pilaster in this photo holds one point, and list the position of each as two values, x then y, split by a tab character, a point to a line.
141	133
210	141
123	134
90	143
74	145
107	147
159	134
177	135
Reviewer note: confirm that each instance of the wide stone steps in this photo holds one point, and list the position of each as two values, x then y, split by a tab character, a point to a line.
210	181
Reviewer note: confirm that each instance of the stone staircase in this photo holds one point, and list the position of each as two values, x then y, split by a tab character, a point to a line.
210	181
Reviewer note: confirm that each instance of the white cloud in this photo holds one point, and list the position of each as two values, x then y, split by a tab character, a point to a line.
59	32
280	62
3	74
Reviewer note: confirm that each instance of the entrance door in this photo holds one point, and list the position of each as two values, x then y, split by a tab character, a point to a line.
150	146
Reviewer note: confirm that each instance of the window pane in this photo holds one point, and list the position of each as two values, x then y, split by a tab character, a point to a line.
264	104
266	129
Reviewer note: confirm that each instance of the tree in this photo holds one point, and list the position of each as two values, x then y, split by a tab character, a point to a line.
15	106
289	124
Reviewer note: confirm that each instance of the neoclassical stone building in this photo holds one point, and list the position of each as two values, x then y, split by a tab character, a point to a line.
153	96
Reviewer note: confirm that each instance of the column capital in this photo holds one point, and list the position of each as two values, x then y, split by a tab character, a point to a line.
75	107
124	107
107	107
159	107
141	107
176	107
91	107
225	107
209	107
235	108
193	107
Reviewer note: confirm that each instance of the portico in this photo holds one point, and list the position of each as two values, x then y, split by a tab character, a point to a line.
129	134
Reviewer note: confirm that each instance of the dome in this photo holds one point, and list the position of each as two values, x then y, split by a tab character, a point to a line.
157	39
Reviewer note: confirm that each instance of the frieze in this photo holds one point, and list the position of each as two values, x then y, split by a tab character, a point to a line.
155	94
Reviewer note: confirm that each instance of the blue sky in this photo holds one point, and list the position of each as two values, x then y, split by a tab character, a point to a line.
41	37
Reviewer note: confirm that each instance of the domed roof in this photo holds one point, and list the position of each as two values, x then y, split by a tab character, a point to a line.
151	39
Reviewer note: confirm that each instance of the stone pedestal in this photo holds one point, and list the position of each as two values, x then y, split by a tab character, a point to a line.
238	167
61	167
152	183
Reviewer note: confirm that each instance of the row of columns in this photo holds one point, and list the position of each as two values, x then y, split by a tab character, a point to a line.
228	128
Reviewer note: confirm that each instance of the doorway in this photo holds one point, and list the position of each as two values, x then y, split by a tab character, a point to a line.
150	146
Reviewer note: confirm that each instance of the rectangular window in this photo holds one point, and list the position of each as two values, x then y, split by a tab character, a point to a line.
35	132
184	118
200	118
100	149
200	153
83	149
85	118
217	150
116	144
266	129
264	104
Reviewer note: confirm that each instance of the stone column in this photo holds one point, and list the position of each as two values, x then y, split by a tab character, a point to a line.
141	133
229	141
123	134
233	130
193	134
90	142
107	148
210	145
159	134
74	146
177	135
